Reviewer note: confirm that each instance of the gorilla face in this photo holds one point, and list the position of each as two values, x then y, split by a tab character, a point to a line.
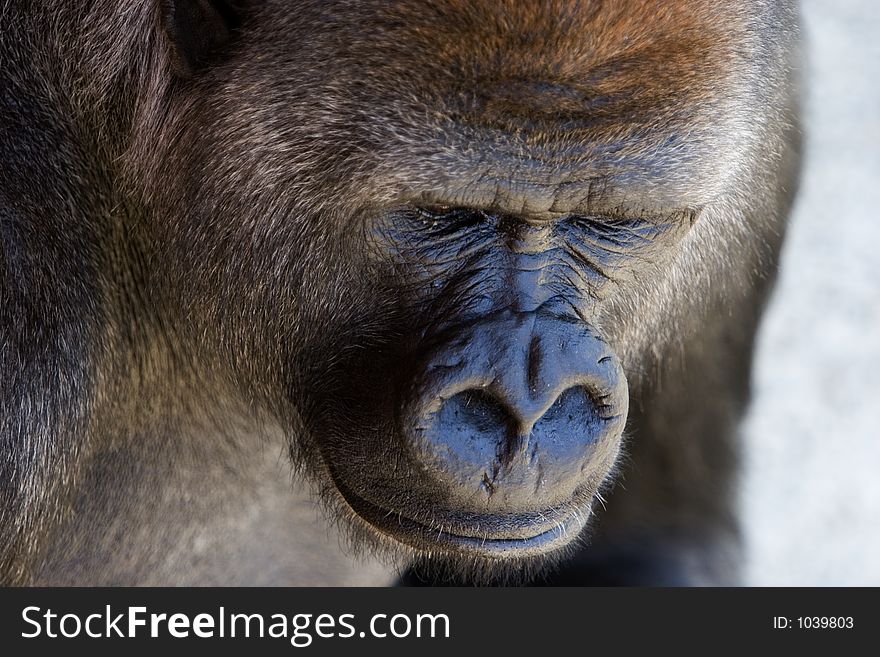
487	426
436	241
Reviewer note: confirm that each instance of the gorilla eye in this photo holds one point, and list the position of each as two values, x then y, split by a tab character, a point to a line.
442	220
632	226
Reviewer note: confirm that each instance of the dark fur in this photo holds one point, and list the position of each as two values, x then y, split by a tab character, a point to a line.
188	273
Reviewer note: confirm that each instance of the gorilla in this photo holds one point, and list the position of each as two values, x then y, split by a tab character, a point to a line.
463	265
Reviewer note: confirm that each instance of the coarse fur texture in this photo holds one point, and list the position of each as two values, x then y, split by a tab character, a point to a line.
200	268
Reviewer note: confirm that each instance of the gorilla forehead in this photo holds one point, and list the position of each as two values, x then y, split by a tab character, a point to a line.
514	107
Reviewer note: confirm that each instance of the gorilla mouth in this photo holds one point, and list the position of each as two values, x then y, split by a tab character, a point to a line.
489	536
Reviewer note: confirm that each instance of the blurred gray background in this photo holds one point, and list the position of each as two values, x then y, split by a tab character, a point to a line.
811	487
811	494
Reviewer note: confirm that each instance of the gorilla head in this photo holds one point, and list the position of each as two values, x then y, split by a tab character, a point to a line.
437	239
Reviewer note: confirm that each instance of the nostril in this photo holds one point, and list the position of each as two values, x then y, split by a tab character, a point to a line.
478	423
475	410
469	434
571	404
575	417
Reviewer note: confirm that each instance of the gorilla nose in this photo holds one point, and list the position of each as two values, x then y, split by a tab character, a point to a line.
517	413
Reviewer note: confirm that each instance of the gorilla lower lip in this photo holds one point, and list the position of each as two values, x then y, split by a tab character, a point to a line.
481	542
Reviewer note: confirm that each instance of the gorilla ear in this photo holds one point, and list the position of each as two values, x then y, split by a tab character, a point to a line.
198	30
